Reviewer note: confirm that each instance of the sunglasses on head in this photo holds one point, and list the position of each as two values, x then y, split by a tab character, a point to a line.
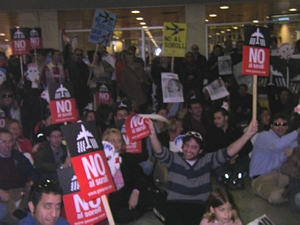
280	124
194	134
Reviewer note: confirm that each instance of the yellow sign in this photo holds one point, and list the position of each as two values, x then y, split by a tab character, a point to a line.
174	39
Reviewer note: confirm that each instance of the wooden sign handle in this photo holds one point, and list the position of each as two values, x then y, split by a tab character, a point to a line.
254	97
107	210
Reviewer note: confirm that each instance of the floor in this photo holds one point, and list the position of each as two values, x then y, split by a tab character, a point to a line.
250	208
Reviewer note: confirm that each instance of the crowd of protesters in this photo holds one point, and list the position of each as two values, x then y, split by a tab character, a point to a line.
136	87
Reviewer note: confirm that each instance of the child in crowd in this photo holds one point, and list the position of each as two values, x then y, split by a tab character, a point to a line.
221	209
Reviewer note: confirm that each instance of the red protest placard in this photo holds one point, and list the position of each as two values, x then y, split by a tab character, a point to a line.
63	110
256	61
3	122
103	98
35	38
78	211
93	175
132	147
20	41
136	128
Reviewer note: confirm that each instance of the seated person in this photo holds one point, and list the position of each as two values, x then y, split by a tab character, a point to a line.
132	195
51	154
231	174
17	174
45	203
291	168
189	175
270	150
20	142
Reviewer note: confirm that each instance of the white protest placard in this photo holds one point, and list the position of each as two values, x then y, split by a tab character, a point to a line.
224	64
216	90
172	89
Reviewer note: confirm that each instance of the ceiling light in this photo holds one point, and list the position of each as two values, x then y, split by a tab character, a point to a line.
228	29
292	9
6	40
17	27
217	33
139	18
235	27
222	31
206	20
144	27
224	7
2	34
135	11
212	15
255	21
142	23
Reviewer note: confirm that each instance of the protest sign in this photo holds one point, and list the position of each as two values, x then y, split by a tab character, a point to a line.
136	128
224	65
102	28
88	159
256	52
20	41
78	211
131	147
172	89
62	105
35	38
174	39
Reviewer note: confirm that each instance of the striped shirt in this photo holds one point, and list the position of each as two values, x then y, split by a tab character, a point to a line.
188	183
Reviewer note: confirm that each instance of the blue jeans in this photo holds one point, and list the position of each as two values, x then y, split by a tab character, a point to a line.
294	190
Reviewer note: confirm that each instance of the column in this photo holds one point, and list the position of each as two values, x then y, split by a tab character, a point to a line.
196	30
47	20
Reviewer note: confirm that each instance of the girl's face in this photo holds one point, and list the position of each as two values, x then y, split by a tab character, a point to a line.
162	112
222	213
116	140
265	117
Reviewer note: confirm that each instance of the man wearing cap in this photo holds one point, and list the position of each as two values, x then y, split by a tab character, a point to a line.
189	175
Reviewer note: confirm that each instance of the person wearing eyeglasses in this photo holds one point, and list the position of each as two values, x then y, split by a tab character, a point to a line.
51	154
45	203
271	149
189	183
17	174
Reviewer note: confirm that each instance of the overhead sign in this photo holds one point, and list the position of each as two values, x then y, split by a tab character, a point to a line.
78	211
36	38
88	159
174	39
62	105
256	51
20	41
103	27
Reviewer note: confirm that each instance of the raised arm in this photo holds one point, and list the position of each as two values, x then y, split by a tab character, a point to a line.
155	143
236	146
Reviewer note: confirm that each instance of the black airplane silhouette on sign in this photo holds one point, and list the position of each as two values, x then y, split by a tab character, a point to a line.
176	29
105	39
106	17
